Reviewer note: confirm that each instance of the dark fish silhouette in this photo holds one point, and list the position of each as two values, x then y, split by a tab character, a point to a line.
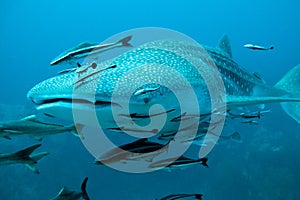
181	162
66	194
182	196
24	157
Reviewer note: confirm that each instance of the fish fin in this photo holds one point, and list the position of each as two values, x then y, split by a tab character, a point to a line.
77	131
85	195
291	84
25	153
24	157
64	191
235	136
36	157
271	47
33	168
204	161
67	70
82	45
125	41
38	138
39	156
34	118
225	46
198	196
31	118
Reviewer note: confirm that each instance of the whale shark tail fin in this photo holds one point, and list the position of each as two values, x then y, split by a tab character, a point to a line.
291	84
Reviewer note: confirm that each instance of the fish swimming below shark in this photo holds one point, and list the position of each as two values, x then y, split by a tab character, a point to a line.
24	157
55	96
67	194
181	162
182	197
33	128
141	149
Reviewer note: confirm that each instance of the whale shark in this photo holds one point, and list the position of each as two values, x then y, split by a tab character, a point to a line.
108	84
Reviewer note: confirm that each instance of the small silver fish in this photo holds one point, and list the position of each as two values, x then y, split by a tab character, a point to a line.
257	47
86	48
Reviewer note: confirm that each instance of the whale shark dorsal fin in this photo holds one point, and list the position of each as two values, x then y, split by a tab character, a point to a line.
225	46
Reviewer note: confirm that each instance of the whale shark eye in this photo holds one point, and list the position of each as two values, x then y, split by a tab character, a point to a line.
94	65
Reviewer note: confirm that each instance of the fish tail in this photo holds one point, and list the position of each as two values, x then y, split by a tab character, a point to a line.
125	41
291	84
235	136
271	47
36	157
85	195
77	130
198	196
204	161
24	157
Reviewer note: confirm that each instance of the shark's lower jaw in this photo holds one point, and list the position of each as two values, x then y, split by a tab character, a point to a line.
65	109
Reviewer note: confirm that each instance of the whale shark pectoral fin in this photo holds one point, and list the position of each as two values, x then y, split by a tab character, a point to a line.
291	84
225	46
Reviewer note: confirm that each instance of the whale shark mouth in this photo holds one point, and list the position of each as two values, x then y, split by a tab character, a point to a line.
80	101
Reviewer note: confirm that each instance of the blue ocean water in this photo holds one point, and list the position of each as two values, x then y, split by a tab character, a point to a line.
264	166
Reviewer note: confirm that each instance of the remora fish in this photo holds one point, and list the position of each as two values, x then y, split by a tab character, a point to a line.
86	48
54	96
182	196
24	157
32	127
66	194
257	47
181	162
201	138
137	150
248	115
